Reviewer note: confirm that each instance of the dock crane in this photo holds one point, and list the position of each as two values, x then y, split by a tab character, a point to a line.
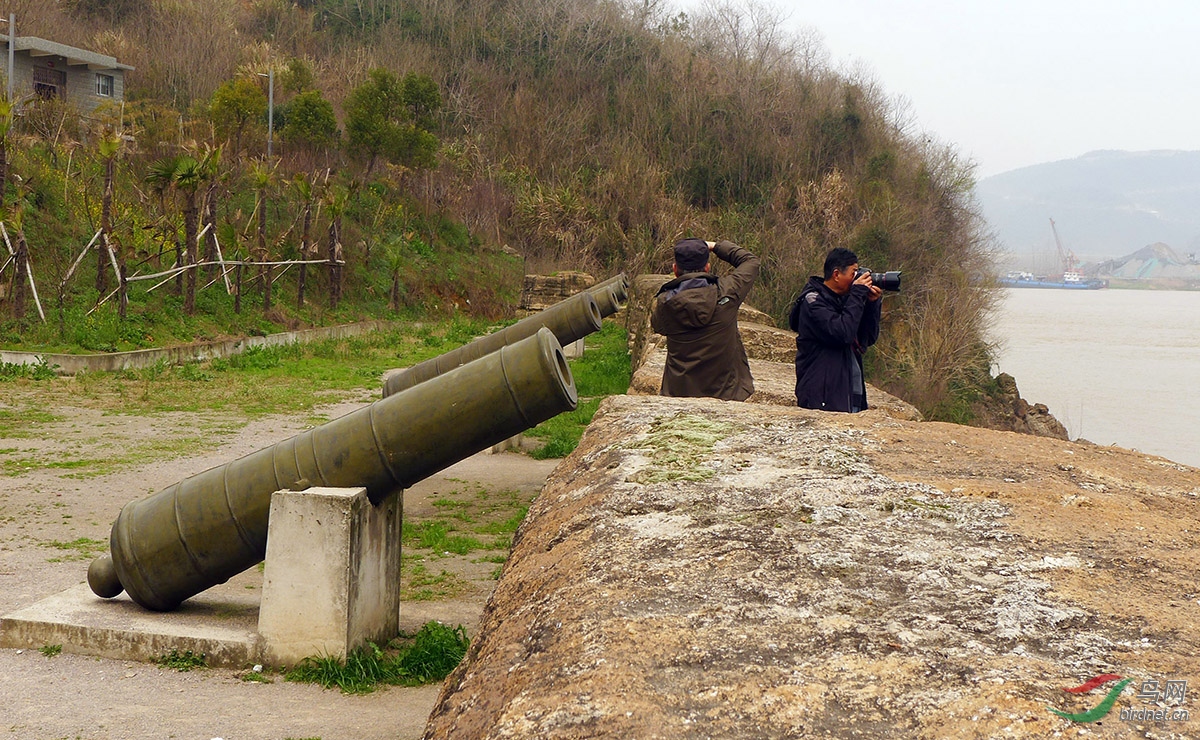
1066	256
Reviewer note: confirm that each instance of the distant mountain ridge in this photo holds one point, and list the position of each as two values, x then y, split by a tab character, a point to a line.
1105	204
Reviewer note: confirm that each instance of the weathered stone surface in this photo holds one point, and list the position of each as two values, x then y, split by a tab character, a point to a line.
642	290
752	315
543	291
764	342
708	569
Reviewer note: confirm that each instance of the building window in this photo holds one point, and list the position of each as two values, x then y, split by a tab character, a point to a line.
104	85
49	83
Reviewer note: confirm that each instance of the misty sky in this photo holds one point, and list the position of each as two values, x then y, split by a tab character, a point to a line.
1012	83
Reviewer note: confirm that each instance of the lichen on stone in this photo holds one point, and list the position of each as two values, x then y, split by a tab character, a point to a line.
680	448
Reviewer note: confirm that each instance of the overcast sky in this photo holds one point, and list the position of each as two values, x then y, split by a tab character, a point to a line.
1012	83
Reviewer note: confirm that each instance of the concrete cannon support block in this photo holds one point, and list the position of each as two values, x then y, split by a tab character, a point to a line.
332	576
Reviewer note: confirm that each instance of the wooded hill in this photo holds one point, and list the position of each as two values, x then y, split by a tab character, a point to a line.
581	134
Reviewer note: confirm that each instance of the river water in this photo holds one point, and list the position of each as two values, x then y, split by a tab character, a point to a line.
1114	366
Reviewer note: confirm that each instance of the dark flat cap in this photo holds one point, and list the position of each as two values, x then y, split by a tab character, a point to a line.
691	255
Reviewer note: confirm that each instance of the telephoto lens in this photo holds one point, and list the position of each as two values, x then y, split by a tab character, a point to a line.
889	280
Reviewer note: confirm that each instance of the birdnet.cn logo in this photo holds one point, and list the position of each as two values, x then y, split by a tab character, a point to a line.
1161	700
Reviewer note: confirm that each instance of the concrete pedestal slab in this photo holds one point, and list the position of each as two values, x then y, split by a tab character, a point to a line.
220	627
224	629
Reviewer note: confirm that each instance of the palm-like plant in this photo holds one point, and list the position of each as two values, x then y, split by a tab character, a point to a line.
109	146
302	187
263	179
15	216
184	174
337	198
393	254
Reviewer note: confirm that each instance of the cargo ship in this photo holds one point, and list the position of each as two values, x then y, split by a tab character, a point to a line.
1070	280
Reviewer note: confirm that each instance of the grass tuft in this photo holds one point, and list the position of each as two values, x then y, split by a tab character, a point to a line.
427	657
182	661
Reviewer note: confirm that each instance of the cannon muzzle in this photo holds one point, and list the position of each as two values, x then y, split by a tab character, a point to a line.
204	529
610	294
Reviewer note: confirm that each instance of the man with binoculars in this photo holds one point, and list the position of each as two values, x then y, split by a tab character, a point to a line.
697	312
835	319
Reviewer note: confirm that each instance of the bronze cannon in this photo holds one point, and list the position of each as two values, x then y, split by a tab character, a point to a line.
207	528
610	294
571	319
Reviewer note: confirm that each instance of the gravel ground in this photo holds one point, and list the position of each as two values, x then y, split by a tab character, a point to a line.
55	516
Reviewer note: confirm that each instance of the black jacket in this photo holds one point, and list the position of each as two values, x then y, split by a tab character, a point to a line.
697	313
832	332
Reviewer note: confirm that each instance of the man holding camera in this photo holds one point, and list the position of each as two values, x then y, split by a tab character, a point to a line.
835	320
697	313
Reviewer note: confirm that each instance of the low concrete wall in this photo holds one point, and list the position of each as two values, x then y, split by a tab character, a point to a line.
112	361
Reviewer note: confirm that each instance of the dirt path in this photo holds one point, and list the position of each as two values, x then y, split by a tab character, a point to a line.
55	515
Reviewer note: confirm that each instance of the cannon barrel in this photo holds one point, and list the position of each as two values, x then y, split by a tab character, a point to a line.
570	319
204	529
619	284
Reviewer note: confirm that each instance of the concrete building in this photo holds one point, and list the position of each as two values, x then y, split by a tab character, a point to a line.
52	70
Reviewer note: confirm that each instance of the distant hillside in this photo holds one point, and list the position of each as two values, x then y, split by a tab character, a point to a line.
581	134
1105	203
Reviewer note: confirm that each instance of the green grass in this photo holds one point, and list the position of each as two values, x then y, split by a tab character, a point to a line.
125	454
293	378
426	657
78	549
476	523
256	677
604	370
182	661
467	521
23	423
418	583
437	536
563	432
50	650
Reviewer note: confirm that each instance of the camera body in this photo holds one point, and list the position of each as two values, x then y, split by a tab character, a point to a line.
889	280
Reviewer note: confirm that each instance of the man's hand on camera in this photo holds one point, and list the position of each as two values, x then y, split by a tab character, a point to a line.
865	281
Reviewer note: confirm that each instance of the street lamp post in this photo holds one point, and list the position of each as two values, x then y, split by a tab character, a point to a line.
270	107
12	48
